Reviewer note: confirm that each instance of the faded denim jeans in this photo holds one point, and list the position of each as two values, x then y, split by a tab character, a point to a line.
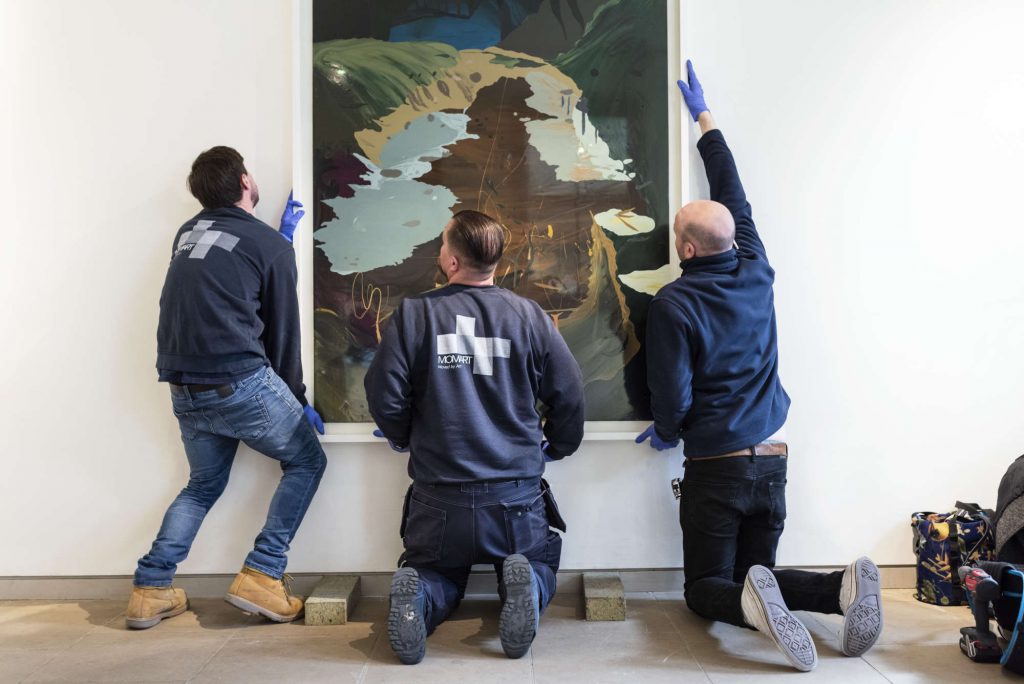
263	413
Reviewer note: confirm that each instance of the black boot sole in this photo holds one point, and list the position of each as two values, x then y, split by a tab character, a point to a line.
517	624
407	631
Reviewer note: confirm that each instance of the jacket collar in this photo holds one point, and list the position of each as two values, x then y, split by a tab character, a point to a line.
716	263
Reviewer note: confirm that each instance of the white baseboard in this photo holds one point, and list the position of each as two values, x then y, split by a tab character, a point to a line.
481	583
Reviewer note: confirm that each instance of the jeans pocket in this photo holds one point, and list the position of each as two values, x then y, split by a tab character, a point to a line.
423	532
526	524
282	393
709	505
249	419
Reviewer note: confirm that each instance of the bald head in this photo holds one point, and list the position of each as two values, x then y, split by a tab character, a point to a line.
704	228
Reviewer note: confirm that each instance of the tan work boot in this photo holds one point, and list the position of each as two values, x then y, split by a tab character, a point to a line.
150	605
257	592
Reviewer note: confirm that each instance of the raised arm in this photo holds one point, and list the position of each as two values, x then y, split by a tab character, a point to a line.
723	177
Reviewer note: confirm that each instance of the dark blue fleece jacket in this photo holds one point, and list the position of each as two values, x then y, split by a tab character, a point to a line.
712	354
229	306
457	378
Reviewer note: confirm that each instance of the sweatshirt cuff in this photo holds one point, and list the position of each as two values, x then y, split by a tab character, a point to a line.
709	139
661	434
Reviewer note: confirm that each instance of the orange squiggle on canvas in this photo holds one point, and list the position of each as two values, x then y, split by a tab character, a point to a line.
367	294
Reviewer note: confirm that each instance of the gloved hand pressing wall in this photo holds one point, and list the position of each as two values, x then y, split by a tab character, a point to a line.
293	213
693	92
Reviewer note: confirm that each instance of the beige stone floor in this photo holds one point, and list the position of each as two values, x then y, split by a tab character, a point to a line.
86	641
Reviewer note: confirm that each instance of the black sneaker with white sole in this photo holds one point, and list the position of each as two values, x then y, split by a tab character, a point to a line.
520	611
766	611
860	599
407	628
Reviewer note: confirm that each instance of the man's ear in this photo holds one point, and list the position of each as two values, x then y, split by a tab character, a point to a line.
245	182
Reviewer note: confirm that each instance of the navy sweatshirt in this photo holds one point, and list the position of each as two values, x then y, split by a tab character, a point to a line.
712	354
457	378
228	307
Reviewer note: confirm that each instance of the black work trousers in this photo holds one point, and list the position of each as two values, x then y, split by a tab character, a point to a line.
449	528
732	512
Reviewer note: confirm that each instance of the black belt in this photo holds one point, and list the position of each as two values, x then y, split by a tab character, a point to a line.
223	391
484	485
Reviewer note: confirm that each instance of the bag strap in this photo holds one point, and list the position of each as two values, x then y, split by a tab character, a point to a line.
975	509
983	514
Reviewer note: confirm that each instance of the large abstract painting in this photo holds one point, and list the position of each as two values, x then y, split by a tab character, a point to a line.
549	115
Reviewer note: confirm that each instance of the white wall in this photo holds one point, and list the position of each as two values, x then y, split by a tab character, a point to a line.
879	144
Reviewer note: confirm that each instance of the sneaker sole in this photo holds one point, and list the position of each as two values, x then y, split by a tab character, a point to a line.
517	623
862	624
250	607
788	633
407	630
146	623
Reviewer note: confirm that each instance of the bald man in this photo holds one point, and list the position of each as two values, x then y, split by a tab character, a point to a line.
713	373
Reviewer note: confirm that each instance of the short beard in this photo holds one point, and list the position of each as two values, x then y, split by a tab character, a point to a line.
444	276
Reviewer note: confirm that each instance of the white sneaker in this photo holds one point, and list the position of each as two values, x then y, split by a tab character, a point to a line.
860	599
765	611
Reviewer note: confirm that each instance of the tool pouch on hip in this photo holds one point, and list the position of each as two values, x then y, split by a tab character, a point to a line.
405	513
555	519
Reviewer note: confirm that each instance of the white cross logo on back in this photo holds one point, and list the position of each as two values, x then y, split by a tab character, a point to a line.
202	239
483	349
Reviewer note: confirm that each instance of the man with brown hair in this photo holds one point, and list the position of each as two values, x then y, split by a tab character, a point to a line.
228	347
456	382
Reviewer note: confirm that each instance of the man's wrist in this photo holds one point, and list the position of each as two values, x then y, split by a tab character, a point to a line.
706	122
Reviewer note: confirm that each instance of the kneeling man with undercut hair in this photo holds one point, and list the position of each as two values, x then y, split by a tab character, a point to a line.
456	383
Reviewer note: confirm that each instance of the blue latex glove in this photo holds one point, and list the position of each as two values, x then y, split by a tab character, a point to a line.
544	445
394	447
314	418
293	213
693	92
656	441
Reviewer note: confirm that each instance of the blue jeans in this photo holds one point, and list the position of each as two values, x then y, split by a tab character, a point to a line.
449	528
263	413
732	512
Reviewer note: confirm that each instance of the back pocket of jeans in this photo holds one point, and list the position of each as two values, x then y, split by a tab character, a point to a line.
248	419
424	532
709	505
526	524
